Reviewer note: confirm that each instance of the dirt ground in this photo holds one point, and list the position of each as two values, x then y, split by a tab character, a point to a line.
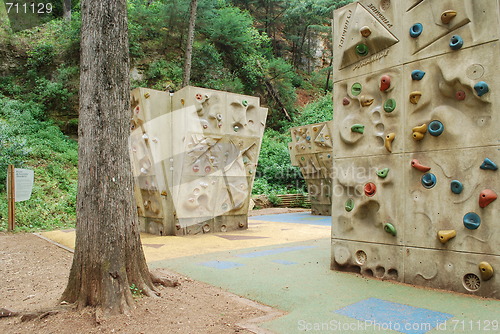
34	273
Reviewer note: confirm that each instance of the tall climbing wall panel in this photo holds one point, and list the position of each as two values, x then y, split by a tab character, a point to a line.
311	151
416	143
194	154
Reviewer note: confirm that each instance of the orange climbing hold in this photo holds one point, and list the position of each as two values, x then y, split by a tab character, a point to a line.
486	197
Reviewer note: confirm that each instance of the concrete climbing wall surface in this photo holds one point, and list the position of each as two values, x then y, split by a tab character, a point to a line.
194	154
311	151
416	143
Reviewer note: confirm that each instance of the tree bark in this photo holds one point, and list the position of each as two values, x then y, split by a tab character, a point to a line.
189	44
108	255
67	10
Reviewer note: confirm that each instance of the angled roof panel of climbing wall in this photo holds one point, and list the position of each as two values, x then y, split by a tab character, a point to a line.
366	35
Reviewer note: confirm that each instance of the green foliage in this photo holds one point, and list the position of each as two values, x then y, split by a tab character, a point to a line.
274	199
40	56
136	292
320	110
275	173
161	72
29	142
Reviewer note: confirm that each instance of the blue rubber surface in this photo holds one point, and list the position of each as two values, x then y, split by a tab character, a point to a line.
378	313
273	251
297	218
221	264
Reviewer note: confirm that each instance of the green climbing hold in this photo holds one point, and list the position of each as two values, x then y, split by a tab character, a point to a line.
389	228
244	103
358	128
390	105
356	89
302	158
349	205
383	172
362	50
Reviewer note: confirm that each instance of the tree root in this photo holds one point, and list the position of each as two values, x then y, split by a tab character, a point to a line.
41	314
7	313
164	280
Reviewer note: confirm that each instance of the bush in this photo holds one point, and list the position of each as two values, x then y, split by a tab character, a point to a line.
27	141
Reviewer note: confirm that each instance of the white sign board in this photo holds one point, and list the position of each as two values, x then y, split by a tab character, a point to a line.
23	183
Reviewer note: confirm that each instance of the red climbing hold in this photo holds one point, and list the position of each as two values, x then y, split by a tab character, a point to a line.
486	197
417	165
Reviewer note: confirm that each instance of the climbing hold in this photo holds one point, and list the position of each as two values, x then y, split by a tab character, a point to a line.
308	138
365	31
416	30
436	128
418	166
447	16
219	117
417	75
418	136
346	101
358	128
472	221
370	189
485	270
385	83
428	180
147	95
486	197
137	109
445	235
481	88
415	97
236	128
488	164
196	169
388	141
244	103
456	186
349	205
356	89
419	131
208	169
362	50
389	228
390	105
460	95
366	101
383	172
456	42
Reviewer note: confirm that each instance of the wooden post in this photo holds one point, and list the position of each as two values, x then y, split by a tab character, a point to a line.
11	195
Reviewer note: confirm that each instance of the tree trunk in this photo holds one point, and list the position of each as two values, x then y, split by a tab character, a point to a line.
108	255
67	10
189	44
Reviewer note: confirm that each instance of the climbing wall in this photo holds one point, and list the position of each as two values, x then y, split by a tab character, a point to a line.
311	151
194	154
416	143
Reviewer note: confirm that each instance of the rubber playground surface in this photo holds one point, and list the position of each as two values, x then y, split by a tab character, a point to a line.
283	261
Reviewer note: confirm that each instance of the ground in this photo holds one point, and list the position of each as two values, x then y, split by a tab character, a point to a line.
34	274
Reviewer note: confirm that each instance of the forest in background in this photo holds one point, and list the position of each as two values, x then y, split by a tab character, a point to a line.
240	46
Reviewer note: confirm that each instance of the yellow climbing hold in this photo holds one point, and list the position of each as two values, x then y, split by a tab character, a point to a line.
445	235
486	270
388	141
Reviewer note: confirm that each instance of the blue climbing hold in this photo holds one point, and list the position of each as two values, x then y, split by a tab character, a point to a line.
417	74
416	30
308	138
456	42
435	128
456	186
488	164
481	88
428	180
472	220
